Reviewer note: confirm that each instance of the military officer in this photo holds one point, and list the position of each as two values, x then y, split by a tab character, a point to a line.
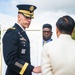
16	44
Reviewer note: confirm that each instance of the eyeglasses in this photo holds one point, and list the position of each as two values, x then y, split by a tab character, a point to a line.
46	31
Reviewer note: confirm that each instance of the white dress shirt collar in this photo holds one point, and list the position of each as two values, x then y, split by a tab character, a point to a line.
21	27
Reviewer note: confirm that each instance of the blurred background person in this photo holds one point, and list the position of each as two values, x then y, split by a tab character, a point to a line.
47	33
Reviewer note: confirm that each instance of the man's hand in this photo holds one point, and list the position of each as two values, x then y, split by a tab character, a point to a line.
37	69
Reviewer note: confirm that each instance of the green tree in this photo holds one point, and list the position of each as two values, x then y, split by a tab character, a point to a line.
73	34
0	32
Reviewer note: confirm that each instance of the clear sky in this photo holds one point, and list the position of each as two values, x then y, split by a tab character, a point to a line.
48	11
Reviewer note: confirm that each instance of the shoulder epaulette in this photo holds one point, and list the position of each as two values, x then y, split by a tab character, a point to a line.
13	28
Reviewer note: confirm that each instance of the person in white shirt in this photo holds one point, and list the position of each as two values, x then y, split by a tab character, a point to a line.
58	56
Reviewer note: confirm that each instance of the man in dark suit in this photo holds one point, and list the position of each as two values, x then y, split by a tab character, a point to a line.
47	33
16	44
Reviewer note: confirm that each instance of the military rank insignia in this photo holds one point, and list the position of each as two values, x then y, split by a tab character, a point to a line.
23	51
31	8
12	28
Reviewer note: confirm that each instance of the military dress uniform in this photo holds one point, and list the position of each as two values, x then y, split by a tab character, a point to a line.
16	49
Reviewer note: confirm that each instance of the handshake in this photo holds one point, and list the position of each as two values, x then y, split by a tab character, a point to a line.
37	69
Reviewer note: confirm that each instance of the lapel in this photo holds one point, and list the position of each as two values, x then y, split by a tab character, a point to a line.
20	30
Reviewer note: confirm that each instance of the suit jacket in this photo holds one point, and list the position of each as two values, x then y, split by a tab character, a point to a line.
16	51
58	56
44	42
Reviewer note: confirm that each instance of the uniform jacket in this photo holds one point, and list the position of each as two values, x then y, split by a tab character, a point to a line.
16	51
58	56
